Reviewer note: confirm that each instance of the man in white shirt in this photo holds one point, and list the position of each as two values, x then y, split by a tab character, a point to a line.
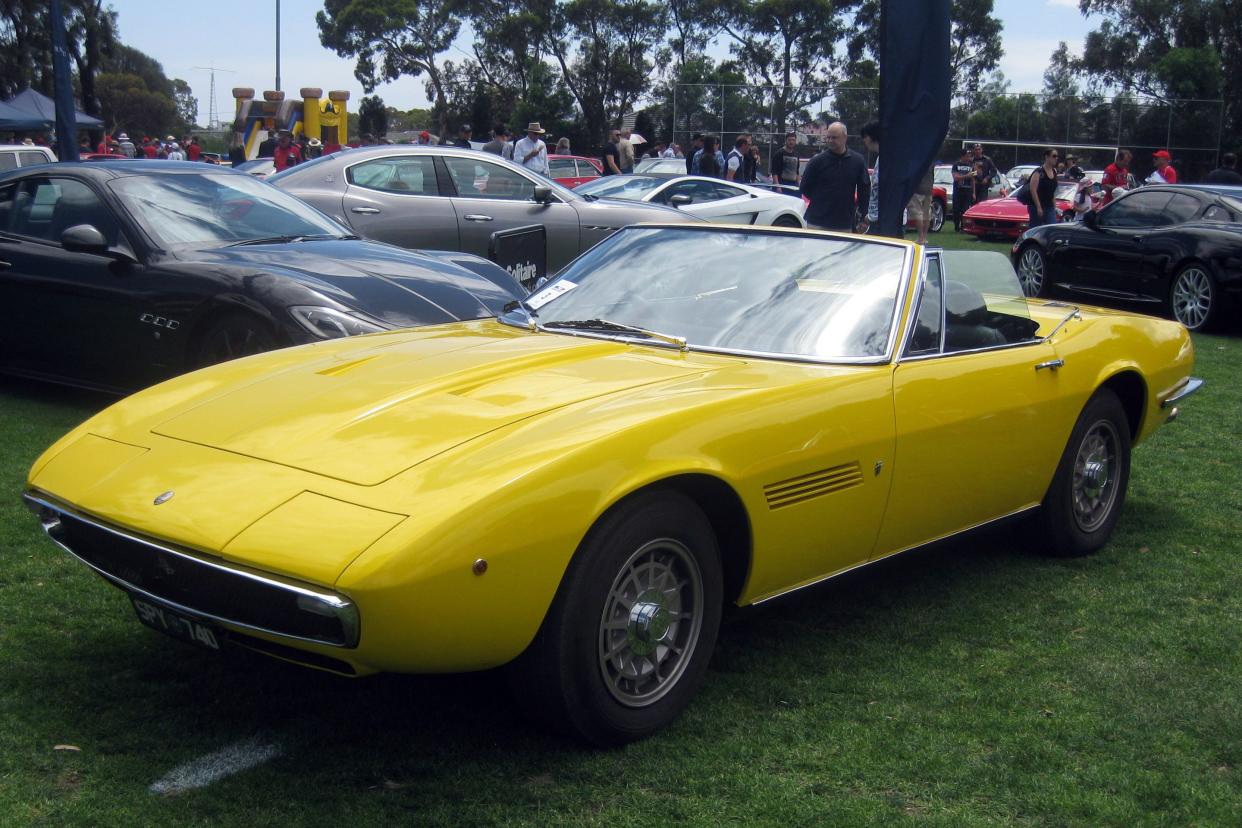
531	152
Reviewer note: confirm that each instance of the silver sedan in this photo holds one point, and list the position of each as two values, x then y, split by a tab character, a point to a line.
444	198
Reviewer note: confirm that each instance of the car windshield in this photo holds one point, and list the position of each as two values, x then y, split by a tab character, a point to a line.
630	187
221	208
1066	190
810	296
661	165
943	176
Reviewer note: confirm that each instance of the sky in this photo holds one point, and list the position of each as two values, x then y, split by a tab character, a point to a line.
240	36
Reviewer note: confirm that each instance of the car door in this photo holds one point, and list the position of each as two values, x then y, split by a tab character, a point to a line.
1103	258
75	315
981	421
397	199
489	197
1161	249
586	171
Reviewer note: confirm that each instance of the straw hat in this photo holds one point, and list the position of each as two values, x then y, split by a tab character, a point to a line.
533	126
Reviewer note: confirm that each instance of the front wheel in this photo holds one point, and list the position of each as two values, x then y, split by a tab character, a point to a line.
937	216
233	336
1033	271
1193	298
1084	501
626	642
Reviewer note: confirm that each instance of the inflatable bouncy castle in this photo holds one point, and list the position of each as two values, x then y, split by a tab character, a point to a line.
326	119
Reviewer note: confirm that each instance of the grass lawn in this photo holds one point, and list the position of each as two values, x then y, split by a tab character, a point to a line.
970	684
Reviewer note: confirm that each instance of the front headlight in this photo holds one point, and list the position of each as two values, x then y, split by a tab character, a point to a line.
331	323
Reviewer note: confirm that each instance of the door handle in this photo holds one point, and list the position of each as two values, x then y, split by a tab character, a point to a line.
367	210
1052	364
3	265
476	217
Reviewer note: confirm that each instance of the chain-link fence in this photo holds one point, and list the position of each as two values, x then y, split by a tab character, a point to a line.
1013	127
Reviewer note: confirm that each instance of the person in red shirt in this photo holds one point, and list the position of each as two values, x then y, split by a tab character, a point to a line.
1164	166
149	149
193	152
1116	174
103	145
286	153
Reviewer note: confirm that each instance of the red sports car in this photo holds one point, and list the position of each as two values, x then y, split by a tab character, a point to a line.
572	170
1007	217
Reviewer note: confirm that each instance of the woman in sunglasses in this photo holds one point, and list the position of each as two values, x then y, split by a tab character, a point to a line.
1042	206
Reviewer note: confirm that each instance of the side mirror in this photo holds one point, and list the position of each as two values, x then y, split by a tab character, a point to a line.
84	238
543	194
1090	219
680	200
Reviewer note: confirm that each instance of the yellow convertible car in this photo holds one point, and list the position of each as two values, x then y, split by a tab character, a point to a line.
685	417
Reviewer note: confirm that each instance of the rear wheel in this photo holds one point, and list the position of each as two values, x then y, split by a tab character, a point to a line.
1084	501
786	221
1033	271
1193	297
626	643
233	336
937	216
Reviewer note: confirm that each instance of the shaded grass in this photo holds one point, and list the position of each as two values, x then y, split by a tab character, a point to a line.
972	683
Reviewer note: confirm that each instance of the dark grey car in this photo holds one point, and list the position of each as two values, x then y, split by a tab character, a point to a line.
444	198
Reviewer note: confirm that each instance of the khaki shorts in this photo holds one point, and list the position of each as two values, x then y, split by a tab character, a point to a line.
919	207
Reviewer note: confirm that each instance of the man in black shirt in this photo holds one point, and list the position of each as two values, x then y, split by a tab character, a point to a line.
985	172
463	136
1226	173
963	187
612	155
695	146
785	161
836	184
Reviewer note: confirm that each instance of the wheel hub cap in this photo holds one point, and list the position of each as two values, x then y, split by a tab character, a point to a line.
649	623
1094	489
1095	476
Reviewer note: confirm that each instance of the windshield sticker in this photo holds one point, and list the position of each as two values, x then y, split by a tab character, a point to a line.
549	293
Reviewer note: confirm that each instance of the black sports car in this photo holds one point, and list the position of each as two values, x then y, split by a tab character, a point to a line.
116	275
1177	247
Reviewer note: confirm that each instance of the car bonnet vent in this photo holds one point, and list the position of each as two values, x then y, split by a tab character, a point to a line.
816	484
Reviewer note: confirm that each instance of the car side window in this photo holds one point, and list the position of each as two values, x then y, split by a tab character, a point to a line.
725	191
29	159
1181	208
1217	213
8	161
587	170
1136	210
410	175
482	179
699	192
562	168
46	207
929	321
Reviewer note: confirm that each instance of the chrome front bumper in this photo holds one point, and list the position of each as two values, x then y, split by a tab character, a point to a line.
1170	399
190	583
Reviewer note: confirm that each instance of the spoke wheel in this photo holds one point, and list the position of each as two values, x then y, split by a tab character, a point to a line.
1032	271
626	642
233	337
651	622
937	216
1193	297
1088	489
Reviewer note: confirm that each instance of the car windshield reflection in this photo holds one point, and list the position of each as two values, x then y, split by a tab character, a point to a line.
181	210
733	290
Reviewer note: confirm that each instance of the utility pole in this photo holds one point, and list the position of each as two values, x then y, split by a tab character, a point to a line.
213	117
277	45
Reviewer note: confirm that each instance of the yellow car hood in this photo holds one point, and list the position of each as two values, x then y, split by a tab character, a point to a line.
365	416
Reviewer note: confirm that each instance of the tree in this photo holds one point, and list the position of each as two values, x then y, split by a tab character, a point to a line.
789	45
392	38
187	104
974	40
373	116
127	103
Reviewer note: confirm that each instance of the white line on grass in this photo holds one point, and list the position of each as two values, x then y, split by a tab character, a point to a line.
213	767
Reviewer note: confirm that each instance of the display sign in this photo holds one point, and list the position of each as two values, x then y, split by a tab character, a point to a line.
523	251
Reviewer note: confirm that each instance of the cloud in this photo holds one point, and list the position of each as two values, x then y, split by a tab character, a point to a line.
1069	4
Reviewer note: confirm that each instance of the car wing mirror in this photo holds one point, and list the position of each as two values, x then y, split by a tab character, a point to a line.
1091	219
543	194
680	200
84	238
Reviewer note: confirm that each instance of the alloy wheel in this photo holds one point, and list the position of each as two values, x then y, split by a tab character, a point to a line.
1031	271
1192	297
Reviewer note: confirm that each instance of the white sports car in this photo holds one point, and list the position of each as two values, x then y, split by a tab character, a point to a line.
721	202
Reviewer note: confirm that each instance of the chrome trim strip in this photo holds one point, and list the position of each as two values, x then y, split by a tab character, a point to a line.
912	548
1181	392
989	349
1076	313
337	605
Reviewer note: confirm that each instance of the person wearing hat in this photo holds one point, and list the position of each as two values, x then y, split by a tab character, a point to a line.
424	138
314	148
1164	168
1082	195
174	152
531	152
127	146
287	153
462	141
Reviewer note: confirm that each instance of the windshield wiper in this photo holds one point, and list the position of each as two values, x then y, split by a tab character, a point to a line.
288	239
616	327
526	309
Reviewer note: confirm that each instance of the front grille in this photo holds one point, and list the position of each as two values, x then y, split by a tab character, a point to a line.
211	590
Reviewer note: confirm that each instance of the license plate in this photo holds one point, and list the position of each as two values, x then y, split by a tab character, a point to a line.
173	623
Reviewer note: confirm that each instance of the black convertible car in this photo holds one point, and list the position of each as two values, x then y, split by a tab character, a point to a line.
1177	247
115	275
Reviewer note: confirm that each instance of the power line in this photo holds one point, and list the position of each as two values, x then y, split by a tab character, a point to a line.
213	120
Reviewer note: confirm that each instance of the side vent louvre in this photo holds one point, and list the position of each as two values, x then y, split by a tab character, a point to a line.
816	484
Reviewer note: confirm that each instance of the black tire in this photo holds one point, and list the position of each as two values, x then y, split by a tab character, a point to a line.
1033	270
1194	298
1089	488
786	221
594	669
936	222
233	336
